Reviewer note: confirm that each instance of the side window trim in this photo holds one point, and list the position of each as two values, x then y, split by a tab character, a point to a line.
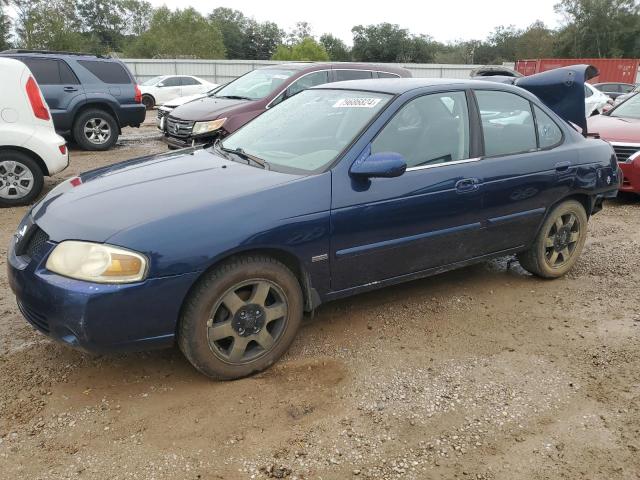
275	97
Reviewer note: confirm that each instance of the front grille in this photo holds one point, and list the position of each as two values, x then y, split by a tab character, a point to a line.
162	113
32	243
623	152
35	318
179	128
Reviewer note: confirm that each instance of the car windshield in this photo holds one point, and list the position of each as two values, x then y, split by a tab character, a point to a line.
629	109
307	132
152	81
256	85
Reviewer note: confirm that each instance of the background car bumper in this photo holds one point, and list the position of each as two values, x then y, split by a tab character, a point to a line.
96	317
631	182
46	144
132	115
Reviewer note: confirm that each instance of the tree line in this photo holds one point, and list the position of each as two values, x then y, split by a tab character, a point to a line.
134	29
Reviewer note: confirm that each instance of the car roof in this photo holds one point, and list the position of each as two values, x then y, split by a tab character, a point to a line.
396	86
55	54
310	66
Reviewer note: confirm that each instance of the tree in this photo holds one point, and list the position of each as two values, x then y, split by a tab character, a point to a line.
336	48
301	31
103	23
5	30
380	43
232	24
179	33
307	50
537	41
137	16
261	39
48	25
599	28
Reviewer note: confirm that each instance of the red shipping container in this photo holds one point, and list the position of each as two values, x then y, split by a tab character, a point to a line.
611	69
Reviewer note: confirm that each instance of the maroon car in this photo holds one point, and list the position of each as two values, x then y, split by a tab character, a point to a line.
243	99
621	127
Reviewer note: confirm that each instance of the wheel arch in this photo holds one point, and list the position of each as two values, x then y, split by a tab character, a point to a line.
30	153
101	105
149	95
310	296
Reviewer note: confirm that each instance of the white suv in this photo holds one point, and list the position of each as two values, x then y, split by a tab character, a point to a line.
30	149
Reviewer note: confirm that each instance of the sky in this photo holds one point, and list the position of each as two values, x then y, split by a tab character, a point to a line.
443	20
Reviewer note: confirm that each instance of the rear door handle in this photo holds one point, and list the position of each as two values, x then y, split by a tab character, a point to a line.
467	185
562	166
70	89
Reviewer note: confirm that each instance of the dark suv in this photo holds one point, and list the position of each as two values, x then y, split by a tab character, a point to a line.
90	97
225	110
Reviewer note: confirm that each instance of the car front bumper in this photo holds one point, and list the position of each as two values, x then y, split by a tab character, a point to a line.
631	172
97	317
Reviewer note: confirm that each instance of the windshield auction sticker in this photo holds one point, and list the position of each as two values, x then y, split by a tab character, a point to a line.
356	103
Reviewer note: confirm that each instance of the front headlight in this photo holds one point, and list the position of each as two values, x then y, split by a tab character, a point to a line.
205	127
95	262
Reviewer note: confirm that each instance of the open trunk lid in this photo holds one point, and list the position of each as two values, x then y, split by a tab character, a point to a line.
561	89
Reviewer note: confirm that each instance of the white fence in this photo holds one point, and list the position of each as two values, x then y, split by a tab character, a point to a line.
223	71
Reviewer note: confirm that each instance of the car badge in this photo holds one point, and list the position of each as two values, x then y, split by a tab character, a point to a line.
176	128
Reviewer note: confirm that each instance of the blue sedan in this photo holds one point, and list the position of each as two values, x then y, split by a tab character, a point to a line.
341	189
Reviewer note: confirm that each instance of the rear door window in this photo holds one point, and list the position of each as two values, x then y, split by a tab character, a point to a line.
66	74
352	75
549	133
171	82
507	123
189	81
108	72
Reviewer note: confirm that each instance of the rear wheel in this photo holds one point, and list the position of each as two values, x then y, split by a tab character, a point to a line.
559	242
241	317
148	101
21	179
95	129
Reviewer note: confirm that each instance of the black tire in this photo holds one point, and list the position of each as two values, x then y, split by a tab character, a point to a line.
21	178
226	343
559	242
87	126
148	101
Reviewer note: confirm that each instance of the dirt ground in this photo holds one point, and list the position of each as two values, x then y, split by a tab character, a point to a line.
482	373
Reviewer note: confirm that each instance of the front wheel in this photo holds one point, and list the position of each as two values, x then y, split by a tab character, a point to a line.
559	242
21	179
241	317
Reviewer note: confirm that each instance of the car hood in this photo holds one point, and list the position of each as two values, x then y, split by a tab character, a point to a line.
615	129
176	102
208	108
145	190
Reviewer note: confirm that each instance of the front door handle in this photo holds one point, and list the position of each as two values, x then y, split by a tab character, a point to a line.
562	166
467	185
70	89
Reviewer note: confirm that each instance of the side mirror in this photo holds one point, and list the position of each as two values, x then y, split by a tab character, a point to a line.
379	165
160	84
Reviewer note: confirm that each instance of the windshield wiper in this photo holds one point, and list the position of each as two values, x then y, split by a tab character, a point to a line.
234	97
245	156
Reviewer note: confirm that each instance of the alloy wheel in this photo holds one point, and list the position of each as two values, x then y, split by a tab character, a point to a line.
561	240
16	180
247	321
97	130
